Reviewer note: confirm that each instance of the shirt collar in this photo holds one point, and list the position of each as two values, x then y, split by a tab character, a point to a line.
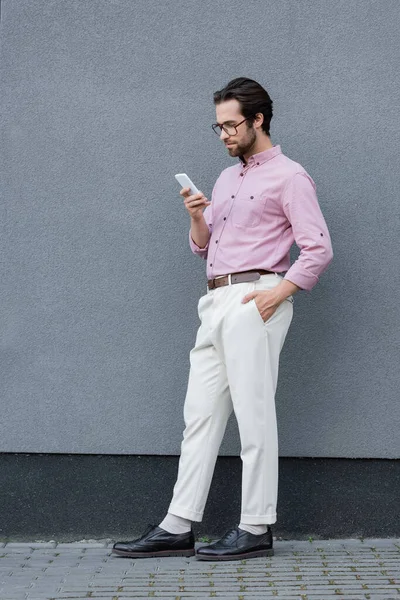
262	157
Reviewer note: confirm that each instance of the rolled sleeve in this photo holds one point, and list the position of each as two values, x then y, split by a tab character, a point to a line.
310	232
208	217
202	252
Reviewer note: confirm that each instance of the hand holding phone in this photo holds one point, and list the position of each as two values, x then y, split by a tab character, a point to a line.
195	205
185	181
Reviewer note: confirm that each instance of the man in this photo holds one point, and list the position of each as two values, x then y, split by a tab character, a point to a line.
260	207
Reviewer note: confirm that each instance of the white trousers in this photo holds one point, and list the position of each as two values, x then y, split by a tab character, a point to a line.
233	366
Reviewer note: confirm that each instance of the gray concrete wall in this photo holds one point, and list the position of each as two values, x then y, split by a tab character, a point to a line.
103	102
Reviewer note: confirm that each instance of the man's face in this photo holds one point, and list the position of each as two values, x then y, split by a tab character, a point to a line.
228	113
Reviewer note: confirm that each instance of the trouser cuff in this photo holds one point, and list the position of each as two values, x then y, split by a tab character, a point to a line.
258	519
185	513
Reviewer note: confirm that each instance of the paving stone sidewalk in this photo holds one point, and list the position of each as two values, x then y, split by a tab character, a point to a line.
308	570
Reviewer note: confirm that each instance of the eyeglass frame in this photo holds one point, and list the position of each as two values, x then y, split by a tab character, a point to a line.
222	127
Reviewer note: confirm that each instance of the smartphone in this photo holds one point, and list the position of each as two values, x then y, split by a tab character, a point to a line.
185	181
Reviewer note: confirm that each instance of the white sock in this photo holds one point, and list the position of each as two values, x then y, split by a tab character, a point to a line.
174	524
254	529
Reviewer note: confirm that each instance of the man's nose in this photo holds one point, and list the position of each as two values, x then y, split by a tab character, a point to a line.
223	135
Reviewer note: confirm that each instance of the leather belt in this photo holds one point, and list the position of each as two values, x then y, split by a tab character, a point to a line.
252	275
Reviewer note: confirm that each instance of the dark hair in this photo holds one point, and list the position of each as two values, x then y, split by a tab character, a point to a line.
252	97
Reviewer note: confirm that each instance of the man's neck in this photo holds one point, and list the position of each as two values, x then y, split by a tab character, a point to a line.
264	143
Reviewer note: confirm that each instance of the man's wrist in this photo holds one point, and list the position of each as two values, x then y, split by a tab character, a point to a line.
278	296
285	289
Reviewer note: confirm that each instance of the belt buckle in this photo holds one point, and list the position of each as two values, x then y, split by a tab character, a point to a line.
212	282
221	276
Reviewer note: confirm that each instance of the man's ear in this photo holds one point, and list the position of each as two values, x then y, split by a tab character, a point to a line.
259	120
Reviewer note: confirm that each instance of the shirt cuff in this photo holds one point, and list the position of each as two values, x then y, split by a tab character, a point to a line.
196	249
301	277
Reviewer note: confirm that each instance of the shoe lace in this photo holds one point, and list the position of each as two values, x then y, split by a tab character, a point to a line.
229	534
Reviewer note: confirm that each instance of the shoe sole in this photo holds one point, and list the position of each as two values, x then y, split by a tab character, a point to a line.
154	554
254	554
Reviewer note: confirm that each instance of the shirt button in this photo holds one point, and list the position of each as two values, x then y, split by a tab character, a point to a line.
232	196
216	241
322	234
210	264
251	197
241	174
258	164
224	218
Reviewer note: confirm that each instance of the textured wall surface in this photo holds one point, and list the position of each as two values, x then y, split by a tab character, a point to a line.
103	102
74	497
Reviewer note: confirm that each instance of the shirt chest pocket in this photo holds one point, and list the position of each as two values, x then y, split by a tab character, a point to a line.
248	210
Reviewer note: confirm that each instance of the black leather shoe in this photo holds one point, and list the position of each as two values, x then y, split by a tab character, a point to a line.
157	542
238	544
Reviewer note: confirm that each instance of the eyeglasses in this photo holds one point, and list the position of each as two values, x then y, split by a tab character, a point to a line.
229	129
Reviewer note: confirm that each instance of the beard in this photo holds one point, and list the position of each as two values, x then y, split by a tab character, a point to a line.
245	145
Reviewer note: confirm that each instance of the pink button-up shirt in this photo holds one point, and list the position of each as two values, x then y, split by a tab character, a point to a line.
257	211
